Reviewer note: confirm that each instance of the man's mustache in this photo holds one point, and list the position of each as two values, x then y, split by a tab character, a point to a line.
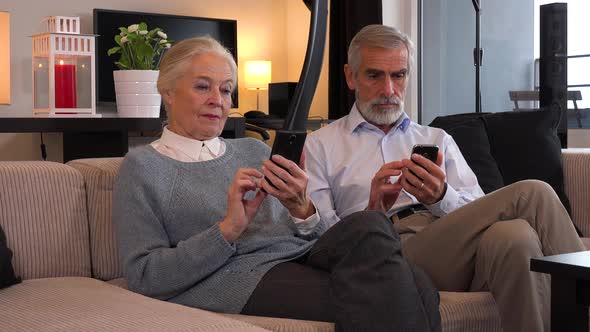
384	100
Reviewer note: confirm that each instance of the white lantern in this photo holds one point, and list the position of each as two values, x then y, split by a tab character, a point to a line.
63	70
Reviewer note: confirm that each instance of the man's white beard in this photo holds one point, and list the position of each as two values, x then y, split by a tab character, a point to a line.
385	116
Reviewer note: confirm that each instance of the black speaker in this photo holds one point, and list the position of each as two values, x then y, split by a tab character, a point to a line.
553	63
279	96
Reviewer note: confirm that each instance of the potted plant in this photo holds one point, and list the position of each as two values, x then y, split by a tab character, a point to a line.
140	51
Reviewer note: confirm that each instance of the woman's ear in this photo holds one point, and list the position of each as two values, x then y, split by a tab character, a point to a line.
168	97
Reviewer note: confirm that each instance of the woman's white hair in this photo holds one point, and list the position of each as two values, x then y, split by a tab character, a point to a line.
178	57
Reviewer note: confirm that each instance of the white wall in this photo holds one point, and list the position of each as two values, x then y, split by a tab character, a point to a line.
403	15
267	29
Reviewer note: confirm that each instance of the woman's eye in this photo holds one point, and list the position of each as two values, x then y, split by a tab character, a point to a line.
202	87
226	91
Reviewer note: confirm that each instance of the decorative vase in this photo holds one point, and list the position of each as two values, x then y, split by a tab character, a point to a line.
137	94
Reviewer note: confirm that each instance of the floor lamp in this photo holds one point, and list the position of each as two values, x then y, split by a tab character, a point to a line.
477	54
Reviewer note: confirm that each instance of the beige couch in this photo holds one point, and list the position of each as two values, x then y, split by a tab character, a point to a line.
58	223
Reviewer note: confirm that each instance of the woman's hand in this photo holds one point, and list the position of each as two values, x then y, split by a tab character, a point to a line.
289	185
384	193
240	211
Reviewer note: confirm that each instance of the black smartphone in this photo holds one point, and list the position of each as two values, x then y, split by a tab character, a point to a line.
428	151
288	144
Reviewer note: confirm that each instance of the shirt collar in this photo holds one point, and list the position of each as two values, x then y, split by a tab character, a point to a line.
356	120
189	146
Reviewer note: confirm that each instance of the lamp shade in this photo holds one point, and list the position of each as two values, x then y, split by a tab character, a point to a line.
257	74
4	58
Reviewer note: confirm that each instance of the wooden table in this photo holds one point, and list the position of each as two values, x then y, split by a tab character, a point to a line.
570	289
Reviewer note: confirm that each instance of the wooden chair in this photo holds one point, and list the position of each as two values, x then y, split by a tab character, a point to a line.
516	96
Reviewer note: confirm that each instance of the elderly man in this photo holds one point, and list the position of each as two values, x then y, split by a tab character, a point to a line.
465	241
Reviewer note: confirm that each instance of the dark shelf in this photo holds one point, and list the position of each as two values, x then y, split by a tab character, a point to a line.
100	137
93	125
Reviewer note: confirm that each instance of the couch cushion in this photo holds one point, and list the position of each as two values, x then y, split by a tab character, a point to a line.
525	146
84	304
284	324
576	174
43	211
469	132
469	311
99	175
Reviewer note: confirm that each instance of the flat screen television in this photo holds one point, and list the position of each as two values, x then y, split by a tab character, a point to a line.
107	23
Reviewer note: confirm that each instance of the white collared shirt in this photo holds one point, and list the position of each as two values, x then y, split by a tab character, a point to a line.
187	149
342	158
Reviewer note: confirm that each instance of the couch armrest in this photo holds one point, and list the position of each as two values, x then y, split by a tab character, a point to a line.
576	174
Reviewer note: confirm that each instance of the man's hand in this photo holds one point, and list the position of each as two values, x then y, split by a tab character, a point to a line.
240	211
290	185
384	193
424	179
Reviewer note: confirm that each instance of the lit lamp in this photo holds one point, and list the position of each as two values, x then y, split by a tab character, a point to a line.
4	58
257	77
63	70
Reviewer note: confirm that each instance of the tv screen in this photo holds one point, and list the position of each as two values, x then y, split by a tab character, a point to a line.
107	23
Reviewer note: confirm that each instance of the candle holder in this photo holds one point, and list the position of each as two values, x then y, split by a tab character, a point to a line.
63	70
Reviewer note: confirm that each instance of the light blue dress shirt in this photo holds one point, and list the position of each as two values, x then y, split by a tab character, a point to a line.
342	158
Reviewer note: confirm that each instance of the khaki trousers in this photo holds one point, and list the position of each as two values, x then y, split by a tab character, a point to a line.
487	245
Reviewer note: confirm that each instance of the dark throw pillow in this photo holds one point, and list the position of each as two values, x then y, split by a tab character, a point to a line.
7	277
526	146
469	132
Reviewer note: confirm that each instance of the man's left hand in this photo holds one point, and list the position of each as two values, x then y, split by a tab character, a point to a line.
424	179
290	185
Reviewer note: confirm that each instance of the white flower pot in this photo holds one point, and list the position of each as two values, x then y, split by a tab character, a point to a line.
137	93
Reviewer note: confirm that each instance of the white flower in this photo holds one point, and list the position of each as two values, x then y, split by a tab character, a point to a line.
132	28
124	40
162	35
163	41
122	34
167	45
143	32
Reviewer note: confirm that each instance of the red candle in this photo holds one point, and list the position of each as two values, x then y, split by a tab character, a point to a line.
65	85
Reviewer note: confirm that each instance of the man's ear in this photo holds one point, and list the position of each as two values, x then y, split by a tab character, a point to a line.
349	77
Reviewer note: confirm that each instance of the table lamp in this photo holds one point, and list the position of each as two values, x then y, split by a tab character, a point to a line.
257	77
5	58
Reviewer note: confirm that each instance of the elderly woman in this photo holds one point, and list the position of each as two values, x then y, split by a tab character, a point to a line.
195	228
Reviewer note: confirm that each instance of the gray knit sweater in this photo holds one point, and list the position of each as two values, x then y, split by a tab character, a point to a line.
166	215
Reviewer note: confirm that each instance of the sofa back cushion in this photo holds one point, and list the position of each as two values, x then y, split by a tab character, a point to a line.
469	132
99	175
522	145
43	213
526	146
576	174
